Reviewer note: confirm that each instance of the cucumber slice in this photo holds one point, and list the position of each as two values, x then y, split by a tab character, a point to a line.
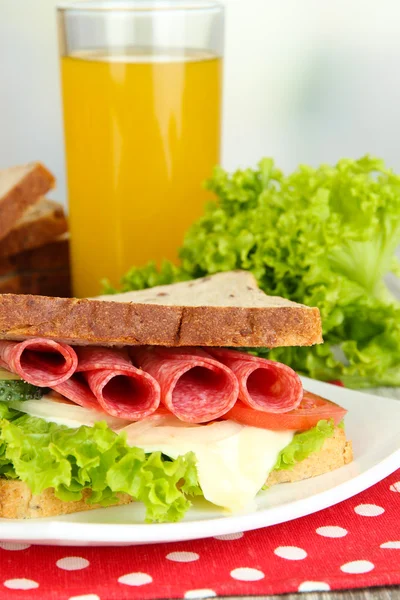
12	390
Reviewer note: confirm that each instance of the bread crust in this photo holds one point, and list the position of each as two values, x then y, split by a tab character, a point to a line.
33	184
46	223
17	501
335	452
48	281
50	256
84	321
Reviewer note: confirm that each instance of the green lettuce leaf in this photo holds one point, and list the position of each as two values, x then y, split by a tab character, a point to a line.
139	278
322	236
95	458
303	444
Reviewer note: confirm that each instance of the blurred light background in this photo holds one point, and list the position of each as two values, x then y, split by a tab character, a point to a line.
305	81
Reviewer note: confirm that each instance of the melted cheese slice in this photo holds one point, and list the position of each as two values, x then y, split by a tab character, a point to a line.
233	460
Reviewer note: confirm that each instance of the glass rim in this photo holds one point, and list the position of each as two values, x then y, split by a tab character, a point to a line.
138	5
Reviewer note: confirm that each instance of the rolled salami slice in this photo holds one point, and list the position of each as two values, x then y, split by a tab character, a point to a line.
265	385
77	390
39	361
194	387
92	358
119	387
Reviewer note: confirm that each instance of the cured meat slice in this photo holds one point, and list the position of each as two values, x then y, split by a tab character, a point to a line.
194	387
264	385
119	387
77	390
131	395
39	361
92	358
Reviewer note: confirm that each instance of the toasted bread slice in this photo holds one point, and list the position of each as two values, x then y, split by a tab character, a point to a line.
39	225
17	501
227	309
20	188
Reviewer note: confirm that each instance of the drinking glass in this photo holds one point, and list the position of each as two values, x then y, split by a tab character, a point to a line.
141	86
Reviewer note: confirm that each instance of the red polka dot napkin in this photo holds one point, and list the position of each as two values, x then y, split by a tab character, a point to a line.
353	544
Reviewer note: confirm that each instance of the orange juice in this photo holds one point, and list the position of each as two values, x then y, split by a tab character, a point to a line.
142	134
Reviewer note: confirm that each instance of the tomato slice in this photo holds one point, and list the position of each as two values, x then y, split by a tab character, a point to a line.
312	409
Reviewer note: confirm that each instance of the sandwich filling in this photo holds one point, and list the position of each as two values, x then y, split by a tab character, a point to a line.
160	424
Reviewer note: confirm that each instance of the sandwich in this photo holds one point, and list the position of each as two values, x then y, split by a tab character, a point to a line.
155	396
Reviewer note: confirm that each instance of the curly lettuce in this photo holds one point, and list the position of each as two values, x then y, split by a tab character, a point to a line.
324	237
45	455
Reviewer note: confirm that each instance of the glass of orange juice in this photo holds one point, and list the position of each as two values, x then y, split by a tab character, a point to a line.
141	86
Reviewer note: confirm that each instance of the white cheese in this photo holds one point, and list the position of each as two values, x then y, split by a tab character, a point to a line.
233	460
7	375
51	409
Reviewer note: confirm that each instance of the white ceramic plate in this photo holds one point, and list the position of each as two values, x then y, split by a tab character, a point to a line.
372	423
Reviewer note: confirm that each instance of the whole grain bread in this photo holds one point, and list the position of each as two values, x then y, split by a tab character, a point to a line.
20	188
17	501
44	270
39	225
226	309
48	281
54	255
335	452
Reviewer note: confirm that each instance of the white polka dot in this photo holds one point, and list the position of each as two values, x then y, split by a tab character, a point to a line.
193	594
21	584
290	552
369	510
13	546
332	531
183	556
72	563
314	586
135	579
85	597
393	545
357	566
395	487
230	536
247	574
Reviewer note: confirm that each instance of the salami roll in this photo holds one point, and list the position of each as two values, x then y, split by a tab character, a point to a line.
264	385
77	390
119	387
42	362
194	387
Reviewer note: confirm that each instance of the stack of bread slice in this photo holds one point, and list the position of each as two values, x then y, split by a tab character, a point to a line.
34	252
